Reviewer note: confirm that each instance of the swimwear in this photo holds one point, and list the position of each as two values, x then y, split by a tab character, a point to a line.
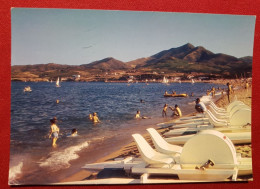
55	135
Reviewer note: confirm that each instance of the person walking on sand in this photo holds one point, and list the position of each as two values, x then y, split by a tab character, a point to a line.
164	110
229	91
176	111
246	86
213	91
54	132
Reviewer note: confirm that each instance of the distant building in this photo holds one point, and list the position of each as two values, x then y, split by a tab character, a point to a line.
203	78
76	77
190	76
175	79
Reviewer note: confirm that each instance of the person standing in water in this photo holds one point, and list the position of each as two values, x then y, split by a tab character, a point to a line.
95	118
54	132
164	110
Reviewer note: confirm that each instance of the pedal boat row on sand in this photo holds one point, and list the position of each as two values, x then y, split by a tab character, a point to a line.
209	155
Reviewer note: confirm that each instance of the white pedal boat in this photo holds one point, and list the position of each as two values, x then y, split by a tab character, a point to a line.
236	138
197	150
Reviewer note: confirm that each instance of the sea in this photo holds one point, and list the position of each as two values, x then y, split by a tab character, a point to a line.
33	160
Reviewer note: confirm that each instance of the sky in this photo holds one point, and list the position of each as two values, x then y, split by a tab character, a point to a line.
75	37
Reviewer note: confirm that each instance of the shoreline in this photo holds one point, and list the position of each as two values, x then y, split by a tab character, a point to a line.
131	149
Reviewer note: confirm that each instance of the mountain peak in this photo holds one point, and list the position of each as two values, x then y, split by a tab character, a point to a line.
108	59
107	63
188	45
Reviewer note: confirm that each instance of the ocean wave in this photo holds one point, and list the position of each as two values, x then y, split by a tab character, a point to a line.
60	159
14	173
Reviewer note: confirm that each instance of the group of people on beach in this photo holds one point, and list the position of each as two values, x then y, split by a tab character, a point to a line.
54	131
199	107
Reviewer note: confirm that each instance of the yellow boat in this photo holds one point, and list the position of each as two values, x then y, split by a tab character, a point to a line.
176	95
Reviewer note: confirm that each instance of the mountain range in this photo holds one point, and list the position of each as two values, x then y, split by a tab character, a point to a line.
183	59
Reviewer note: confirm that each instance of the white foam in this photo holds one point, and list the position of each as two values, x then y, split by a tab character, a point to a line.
60	159
205	99
14	172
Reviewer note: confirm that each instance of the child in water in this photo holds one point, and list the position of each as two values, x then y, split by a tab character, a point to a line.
54	132
164	110
138	115
90	116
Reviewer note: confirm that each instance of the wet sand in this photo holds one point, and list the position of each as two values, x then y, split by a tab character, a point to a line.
131	149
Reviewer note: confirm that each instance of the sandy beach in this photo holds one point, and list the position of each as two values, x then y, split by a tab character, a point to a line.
242	94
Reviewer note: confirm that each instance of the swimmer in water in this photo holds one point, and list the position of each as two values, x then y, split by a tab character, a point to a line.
54	132
74	132
57	101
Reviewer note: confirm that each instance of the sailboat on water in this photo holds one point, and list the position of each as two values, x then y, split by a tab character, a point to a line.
58	82
165	81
